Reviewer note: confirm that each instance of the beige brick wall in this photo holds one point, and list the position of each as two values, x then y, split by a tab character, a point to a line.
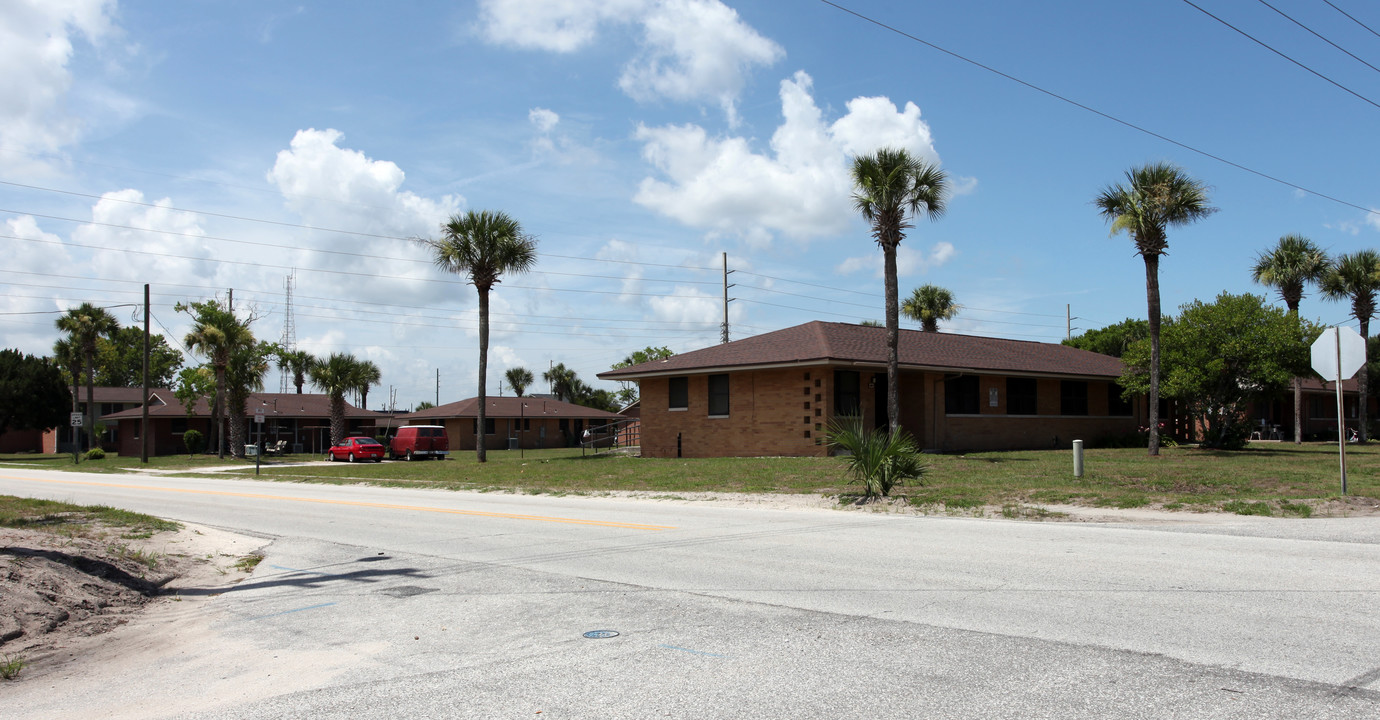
787	411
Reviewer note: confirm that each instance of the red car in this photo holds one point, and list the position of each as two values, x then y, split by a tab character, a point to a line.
356	449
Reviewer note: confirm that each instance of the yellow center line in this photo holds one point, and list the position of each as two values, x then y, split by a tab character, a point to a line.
354	503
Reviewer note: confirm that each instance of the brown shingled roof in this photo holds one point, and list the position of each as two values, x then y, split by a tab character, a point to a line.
282	405
511	407
822	343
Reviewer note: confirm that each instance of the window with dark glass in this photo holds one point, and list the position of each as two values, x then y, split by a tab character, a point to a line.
847	392
679	393
718	394
961	395
1020	396
1117	406
1073	397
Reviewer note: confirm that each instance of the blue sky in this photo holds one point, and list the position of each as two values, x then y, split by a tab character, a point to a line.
203	146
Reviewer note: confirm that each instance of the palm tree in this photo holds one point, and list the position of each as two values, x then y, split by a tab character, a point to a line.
483	245
928	304
296	362
1356	276
519	379
216	334
1294	262
85	324
889	188
335	376
369	376
244	375
562	381
1155	197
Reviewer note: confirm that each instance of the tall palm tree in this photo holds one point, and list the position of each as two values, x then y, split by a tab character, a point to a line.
483	245
84	325
216	334
889	188
1356	276
519	379
335	376
1155	197
562	380
369	376
1294	262
928	304
244	375
296	362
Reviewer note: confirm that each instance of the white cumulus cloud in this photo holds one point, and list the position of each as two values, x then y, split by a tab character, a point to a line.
166	240
696	50
690	50
800	189
36	45
553	25
334	187
909	260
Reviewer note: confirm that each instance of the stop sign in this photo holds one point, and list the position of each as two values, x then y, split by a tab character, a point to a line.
1334	341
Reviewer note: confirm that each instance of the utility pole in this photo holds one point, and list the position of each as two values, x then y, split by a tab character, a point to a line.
1068	321
438	387
230	304
724	327
144	416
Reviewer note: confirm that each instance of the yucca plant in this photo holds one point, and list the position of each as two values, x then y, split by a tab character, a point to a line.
877	460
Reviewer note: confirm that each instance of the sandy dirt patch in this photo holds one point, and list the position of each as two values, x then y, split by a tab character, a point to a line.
61	593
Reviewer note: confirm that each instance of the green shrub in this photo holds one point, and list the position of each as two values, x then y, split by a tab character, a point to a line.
95	453
878	460
194	441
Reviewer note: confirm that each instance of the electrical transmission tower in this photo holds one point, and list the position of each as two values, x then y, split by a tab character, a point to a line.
289	339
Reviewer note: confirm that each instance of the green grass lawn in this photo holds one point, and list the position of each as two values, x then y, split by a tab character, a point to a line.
76	520
1266	478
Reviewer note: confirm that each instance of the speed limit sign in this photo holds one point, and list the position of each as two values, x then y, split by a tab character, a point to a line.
76	419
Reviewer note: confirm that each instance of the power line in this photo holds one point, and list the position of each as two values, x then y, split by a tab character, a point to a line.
1099	113
1316	35
1349	17
1261	43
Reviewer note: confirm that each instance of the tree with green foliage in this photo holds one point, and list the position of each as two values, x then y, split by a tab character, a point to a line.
628	391
216	334
296	362
1293	263
928	304
120	360
33	393
889	188
244	376
1155	198
424	405
561	380
484	245
85	325
369	376
519	379
194	441
335	376
877	459
1356	277
1220	357
1113	339
193	384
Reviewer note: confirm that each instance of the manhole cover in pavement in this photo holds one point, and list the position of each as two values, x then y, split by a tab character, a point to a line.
403	591
599	634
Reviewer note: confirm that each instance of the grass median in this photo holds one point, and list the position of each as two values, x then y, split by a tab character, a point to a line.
1265	479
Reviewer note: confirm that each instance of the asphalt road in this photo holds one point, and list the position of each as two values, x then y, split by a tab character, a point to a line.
377	602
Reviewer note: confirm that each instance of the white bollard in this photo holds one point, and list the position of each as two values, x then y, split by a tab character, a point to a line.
1078	458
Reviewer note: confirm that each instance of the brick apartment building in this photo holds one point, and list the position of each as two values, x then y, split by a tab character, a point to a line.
775	393
532	422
